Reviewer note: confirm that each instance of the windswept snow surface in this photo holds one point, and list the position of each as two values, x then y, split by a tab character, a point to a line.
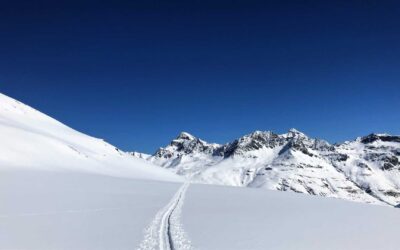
218	218
31	140
53	210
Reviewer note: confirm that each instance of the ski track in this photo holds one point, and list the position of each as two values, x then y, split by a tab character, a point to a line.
166	231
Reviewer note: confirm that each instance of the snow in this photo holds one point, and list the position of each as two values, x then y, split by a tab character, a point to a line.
34	141
217	217
140	155
364	170
166	231
372	175
54	210
61	189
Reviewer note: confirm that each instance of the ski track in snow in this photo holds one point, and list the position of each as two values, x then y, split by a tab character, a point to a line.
166	231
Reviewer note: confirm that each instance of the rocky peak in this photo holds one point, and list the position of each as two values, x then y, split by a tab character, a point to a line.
300	140
295	133
294	161
253	141
380	137
185	143
185	139
296	145
294	140
185	136
261	138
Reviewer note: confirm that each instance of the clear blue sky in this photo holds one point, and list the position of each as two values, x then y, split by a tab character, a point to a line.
138	73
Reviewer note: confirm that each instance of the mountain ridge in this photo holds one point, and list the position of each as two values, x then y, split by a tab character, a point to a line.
366	169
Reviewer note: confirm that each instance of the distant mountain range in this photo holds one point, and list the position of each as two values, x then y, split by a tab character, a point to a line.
366	169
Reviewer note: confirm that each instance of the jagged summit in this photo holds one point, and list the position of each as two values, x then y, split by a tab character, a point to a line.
185	136
293	130
185	144
294	133
366	169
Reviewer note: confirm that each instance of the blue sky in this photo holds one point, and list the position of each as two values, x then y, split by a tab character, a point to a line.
138	73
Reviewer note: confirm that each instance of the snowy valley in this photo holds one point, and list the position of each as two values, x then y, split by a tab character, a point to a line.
61	189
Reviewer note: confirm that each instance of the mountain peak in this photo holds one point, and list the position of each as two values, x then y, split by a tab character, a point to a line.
293	130
292	161
185	144
295	133
258	133
185	136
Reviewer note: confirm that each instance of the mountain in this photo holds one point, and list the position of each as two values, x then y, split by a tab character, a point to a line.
61	189
31	140
365	170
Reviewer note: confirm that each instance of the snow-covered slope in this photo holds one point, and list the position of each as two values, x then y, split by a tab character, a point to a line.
140	155
53	210
32	140
45	210
219	218
61	189
365	170
373	163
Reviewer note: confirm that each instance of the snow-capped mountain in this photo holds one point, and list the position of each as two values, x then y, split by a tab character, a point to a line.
31	140
366	169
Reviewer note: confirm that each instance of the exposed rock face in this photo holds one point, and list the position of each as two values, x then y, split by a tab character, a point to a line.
366	169
374	165
253	141
186	144
382	137
187	154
